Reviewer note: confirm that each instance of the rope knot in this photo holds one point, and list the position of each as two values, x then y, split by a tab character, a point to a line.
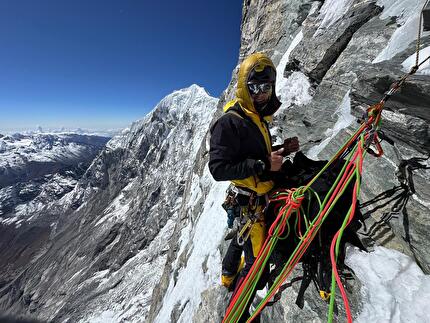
374	110
296	197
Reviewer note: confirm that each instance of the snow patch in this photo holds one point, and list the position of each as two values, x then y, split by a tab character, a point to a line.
295	88
408	15
330	12
130	301
395	117
195	191
185	291
394	288
410	62
118	208
421	201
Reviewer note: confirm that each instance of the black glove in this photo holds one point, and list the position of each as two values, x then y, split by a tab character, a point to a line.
259	167
291	145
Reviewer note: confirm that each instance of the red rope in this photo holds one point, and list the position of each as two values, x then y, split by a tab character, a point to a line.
251	274
294	205
263	252
333	243
349	171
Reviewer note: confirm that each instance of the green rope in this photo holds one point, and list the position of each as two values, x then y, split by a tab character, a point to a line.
243	299
288	231
305	218
333	158
239	307
341	230
322	205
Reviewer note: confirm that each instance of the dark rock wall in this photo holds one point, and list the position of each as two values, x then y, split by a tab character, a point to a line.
337	60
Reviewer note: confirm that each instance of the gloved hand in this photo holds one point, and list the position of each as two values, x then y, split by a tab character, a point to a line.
290	145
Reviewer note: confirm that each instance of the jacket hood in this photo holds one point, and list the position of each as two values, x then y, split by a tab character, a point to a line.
259	62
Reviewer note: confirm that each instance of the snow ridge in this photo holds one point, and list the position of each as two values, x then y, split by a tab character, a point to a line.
174	131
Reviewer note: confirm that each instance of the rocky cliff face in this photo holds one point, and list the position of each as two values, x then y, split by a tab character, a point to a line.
344	56
335	58
354	55
140	237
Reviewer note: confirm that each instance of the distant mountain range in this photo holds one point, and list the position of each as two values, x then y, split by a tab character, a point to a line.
63	130
36	168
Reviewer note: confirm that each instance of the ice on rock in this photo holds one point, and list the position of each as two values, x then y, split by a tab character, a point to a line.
408	13
330	12
344	120
295	88
411	60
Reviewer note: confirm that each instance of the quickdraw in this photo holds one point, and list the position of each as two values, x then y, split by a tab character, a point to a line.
251	214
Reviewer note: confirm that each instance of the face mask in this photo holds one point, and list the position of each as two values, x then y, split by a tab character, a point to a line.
263	106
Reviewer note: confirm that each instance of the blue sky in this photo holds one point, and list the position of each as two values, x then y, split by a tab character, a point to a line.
102	64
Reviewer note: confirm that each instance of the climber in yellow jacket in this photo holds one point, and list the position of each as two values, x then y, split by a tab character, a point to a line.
241	151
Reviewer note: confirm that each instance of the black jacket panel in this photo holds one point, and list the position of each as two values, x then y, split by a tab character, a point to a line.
236	144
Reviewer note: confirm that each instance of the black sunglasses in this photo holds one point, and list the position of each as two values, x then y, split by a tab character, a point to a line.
255	88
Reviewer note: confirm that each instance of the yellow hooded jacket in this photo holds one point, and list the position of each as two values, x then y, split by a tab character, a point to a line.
257	61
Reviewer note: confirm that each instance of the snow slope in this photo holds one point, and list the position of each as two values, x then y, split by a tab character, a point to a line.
394	288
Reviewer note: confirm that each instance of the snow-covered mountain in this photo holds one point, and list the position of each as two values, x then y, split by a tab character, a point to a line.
35	172
140	236
38	169
25	157
115	224
105	132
